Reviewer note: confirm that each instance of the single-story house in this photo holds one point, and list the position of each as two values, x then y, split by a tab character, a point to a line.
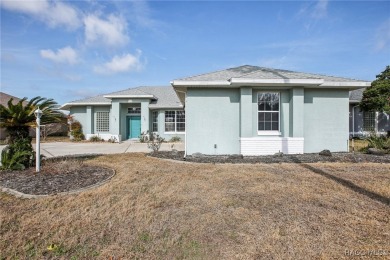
362	123
128	113
247	110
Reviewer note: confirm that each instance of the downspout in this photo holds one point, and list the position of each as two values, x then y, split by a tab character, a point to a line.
353	120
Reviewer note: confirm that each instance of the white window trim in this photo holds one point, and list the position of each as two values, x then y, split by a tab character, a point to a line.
155	122
175	132
268	132
274	133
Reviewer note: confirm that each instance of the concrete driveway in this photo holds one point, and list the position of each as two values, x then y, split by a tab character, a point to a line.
72	148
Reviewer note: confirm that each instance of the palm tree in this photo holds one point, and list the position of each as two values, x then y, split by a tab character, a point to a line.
17	119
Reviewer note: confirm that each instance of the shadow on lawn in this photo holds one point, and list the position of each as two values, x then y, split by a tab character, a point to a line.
345	183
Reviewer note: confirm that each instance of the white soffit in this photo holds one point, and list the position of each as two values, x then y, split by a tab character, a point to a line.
240	81
129	96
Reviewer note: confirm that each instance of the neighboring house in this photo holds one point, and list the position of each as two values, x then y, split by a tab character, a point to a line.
364	123
51	129
4	98
245	110
126	114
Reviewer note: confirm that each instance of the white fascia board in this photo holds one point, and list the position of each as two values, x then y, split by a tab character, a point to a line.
260	82
347	84
68	105
179	83
166	107
129	96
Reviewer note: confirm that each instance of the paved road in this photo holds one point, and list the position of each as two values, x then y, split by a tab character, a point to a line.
71	148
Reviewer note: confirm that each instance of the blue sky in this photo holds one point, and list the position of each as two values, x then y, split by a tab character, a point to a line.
69	50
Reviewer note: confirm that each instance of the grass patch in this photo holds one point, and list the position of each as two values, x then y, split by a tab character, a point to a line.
158	209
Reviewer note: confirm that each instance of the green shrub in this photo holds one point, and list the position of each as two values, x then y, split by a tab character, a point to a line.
175	139
76	131
18	155
96	138
379	142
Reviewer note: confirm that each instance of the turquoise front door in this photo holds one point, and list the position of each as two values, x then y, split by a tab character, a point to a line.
134	126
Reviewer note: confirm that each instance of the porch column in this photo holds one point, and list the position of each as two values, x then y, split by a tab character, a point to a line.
145	116
115	115
246	112
296	112
88	127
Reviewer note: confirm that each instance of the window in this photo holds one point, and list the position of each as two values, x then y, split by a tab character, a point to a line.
102	121
175	121
268	112
368	121
134	110
155	121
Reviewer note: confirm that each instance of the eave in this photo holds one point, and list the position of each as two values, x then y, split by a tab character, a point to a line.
129	96
68	105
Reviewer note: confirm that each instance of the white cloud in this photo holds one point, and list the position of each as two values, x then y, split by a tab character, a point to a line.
317	11
111	32
118	64
53	13
320	9
64	55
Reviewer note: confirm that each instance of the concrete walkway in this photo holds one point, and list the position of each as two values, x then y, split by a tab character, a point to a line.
72	148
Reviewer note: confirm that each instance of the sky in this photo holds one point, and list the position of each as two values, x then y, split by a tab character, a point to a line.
69	50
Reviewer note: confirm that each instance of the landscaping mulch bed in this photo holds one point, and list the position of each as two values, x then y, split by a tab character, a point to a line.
55	177
285	158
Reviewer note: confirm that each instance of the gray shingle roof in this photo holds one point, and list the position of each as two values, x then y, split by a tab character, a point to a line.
255	72
163	97
356	95
130	91
95	99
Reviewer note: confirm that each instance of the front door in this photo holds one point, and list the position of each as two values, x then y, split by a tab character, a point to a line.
134	126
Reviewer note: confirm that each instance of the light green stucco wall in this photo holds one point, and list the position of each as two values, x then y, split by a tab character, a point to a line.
326	120
213	117
79	113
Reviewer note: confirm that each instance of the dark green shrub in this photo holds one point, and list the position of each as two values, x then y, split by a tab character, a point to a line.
18	155
379	142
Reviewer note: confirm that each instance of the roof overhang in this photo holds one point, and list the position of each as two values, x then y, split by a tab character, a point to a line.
166	107
129	96
272	82
346	84
69	105
185	83
241	82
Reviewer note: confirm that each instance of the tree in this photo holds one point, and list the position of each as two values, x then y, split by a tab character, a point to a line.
377	97
17	119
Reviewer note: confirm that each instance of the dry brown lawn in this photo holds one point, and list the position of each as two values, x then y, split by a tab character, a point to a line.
156	209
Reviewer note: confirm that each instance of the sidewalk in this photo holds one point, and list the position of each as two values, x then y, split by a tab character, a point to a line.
71	148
